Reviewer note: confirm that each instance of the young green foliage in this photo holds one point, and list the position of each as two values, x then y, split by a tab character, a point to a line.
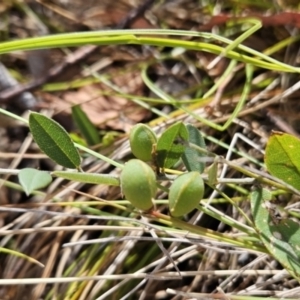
191	157
282	238
138	184
54	140
170	145
142	139
185	193
32	179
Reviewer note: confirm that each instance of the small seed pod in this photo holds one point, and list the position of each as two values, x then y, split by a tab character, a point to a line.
138	184
142	139
185	193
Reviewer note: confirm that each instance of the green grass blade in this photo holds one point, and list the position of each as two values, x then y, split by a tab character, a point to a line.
86	127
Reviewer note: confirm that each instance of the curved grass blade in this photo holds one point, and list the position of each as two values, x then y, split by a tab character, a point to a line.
54	140
86	127
141	37
21	255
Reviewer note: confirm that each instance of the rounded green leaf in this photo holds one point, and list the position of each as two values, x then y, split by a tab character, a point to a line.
170	145
142	138
138	184
282	158
54	140
185	193
32	179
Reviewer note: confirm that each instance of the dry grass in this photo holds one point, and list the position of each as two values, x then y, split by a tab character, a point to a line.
54	227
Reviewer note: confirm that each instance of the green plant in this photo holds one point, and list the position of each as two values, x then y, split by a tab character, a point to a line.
137	180
177	147
139	183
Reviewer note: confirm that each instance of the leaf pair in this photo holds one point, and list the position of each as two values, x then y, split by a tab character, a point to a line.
174	143
55	142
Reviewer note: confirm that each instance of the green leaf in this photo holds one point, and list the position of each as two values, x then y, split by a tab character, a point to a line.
282	158
212	173
171	145
32	179
280	240
86	127
54	140
191	157
289	231
88	177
